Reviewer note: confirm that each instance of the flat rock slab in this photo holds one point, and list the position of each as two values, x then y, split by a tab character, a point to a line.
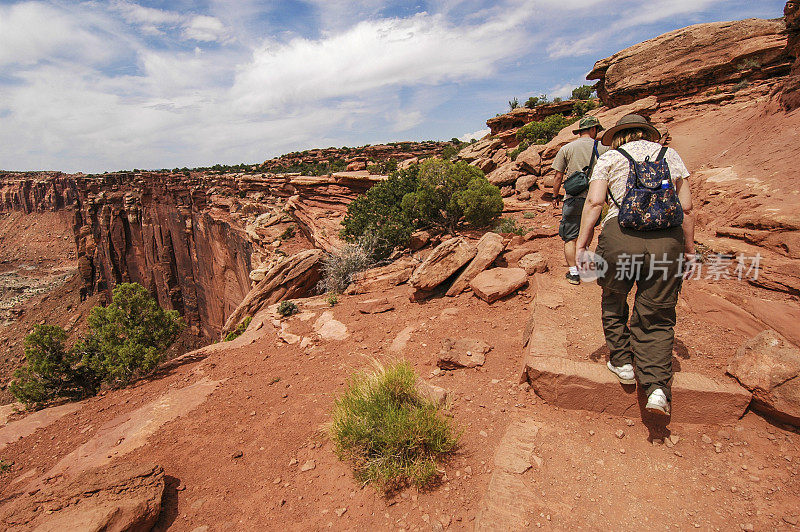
26	426
590	386
462	353
330	329
497	283
508	501
375	306
122	497
131	430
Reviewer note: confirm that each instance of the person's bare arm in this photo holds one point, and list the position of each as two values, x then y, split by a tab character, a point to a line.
685	197
592	208
559	177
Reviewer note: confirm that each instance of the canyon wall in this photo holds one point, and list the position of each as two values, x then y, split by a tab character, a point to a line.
196	240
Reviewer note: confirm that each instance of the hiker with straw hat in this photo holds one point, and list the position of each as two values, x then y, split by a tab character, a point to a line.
575	160
648	240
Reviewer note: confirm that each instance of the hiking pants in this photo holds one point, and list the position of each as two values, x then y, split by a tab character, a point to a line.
652	261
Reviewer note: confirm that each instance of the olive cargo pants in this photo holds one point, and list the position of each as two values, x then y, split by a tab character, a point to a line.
652	261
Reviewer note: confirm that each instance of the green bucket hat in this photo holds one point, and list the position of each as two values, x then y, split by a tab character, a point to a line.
588	122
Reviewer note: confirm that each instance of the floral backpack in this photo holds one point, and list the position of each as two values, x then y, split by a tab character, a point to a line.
650	202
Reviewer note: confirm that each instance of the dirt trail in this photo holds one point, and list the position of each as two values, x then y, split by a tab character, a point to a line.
254	455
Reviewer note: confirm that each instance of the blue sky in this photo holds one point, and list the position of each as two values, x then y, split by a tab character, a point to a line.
94	86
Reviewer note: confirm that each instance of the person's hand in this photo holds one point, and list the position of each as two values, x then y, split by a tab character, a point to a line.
690	265
581	259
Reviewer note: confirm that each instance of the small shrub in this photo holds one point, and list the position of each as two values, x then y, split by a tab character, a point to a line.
391	434
582	107
509	225
129	337
52	371
558	99
447	192
287	233
543	131
287	308
239	330
584	92
529	215
338	269
748	64
332	299
5	466
741	85
513	104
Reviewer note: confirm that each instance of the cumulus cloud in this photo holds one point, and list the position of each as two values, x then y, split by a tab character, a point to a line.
476	135
423	49
204	28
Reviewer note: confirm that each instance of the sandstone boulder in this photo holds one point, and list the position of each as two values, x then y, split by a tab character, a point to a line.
375	306
122	497
488	248
533	263
419	240
497	283
294	276
790	99
525	183
769	366
462	353
689	60
445	260
435	394
381	278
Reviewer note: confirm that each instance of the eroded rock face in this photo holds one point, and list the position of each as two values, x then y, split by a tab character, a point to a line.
445	260
122	497
294	276
769	366
790	99
692	59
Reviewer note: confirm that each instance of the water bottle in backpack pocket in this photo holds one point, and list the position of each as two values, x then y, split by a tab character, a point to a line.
651	201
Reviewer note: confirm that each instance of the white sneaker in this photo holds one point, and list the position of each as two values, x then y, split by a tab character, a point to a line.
657	402
624	373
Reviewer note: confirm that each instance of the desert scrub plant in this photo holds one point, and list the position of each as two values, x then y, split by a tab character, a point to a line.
509	225
392	434
287	233
332	300
529	215
287	308
52	371
5	466
584	92
339	268
513	103
543	131
435	193
129	337
239	330
581	107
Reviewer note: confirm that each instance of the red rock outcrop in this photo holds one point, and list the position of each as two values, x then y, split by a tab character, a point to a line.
397	151
123	497
690	60
790	99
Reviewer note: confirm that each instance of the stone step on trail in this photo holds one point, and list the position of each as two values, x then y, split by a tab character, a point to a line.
590	386
567	382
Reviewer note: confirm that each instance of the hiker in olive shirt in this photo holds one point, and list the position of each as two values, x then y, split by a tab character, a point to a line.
577	156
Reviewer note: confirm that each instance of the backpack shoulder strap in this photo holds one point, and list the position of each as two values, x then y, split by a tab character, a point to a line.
592	159
662	153
627	155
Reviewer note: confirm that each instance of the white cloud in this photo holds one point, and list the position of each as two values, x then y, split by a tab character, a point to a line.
204	28
134	13
423	49
477	135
